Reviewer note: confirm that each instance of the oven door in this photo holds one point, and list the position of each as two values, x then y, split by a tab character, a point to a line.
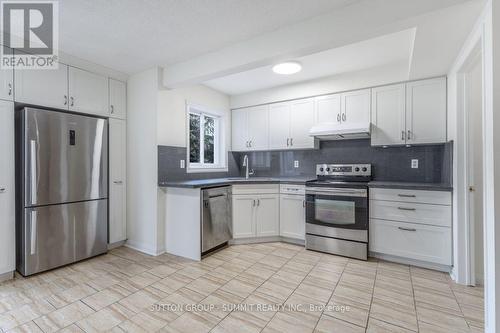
345	208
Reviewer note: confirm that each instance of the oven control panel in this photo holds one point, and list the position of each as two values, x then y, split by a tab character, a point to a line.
344	170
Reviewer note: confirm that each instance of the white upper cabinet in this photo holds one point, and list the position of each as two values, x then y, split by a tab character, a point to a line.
88	92
239	130
301	121
409	113
250	128
7	84
355	106
279	123
117	179
258	127
290	123
44	87
388	115
328	109
117	99
7	191
426	111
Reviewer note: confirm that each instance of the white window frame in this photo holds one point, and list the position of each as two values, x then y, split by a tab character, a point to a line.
220	150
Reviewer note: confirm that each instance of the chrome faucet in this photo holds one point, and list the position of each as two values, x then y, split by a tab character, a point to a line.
245	164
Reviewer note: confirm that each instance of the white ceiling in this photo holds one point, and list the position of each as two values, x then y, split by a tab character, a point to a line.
395	48
133	35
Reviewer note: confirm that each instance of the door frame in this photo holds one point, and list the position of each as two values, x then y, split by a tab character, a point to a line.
474	58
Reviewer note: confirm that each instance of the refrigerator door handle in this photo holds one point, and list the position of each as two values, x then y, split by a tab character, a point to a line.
33	175
33	233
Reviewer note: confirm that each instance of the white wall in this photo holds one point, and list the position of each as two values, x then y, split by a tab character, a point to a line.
172	127
343	82
142	165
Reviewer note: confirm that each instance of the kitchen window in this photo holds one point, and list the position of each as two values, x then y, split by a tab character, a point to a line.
206	150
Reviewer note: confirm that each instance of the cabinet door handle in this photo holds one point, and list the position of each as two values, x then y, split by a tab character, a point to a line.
10	89
344	117
118	182
338	117
72	101
65	100
407	229
246	144
409	135
253	202
288	142
304	203
250	143
258	202
405	208
403	135
407	195
112	109
291	141
3	189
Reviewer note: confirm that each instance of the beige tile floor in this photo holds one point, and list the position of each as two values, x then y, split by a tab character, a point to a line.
272	287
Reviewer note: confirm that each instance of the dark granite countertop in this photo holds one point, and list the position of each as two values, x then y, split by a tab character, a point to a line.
201	183
412	186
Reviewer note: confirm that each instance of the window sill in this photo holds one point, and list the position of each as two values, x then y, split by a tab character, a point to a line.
207	169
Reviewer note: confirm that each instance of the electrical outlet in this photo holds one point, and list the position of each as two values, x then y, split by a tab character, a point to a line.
183	164
296	164
414	164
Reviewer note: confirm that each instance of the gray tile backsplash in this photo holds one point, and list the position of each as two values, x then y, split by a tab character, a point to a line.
389	164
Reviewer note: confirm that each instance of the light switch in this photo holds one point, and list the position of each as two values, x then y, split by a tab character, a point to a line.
183	164
296	164
414	164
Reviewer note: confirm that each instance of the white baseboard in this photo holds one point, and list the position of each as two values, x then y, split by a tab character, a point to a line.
143	248
112	246
412	262
6	276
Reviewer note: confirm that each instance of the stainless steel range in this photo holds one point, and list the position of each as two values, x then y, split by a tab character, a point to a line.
337	210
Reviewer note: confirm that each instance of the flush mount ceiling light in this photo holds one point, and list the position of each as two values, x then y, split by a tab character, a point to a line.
287	68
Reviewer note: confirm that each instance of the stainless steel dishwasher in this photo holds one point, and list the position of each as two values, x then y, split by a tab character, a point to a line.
216	218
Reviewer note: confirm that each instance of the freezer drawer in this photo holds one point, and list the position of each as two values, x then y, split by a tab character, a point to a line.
52	236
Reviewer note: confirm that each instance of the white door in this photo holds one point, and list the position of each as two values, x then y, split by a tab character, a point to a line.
426	111
117	99
243	216
44	87
117	179
267	215
7	192
239	129
356	106
328	109
88	92
301	121
279	126
292	216
388	115
258	127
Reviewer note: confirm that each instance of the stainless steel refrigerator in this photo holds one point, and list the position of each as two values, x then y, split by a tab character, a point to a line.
62	188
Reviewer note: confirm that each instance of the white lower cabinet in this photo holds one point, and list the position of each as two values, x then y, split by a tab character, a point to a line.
255	211
117	180
243	216
410	240
411	225
292	211
7	192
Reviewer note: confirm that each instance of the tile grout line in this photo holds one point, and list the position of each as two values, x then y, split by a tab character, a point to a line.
373	295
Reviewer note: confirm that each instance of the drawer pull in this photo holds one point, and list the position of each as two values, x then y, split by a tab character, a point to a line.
405	208
407	229
407	195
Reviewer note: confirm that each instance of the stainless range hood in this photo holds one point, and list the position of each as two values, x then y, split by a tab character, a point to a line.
336	131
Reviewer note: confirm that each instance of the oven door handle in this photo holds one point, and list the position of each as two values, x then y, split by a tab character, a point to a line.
338	192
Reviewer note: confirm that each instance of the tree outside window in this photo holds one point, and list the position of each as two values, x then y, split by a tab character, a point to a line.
204	139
